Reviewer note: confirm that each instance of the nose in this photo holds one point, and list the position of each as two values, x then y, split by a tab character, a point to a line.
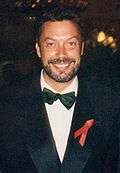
61	52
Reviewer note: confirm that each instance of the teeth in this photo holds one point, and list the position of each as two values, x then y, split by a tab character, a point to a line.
61	65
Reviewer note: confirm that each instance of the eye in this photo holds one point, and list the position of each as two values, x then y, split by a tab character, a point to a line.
71	44
50	44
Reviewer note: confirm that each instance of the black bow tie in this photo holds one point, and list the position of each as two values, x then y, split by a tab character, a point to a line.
67	99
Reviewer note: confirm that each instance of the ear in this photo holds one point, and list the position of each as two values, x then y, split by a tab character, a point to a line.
38	50
82	47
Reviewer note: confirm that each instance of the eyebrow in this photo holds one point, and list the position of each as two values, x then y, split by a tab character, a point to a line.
76	37
49	38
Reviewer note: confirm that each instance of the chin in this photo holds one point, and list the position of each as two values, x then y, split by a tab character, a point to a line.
62	79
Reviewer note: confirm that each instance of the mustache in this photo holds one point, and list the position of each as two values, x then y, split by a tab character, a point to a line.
61	60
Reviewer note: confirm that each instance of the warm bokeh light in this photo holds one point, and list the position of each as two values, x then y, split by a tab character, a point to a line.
110	39
49	1
113	45
106	40
101	36
33	5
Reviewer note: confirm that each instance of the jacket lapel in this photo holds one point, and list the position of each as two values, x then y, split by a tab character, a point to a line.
39	139
77	156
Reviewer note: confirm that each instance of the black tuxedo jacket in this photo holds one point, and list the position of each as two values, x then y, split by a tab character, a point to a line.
26	141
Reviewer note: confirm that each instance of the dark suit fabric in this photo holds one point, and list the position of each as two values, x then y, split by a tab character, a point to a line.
26	141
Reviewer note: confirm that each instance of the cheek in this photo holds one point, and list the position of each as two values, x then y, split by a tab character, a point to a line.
76	53
45	56
48	53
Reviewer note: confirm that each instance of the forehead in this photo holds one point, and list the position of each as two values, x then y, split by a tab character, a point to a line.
63	28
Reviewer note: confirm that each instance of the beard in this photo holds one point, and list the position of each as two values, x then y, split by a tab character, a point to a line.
65	76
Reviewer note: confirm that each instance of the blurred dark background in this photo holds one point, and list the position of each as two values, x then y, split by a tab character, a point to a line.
17	39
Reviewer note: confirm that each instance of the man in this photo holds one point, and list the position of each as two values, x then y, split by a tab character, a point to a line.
59	122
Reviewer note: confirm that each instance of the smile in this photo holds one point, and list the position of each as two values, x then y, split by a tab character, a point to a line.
63	67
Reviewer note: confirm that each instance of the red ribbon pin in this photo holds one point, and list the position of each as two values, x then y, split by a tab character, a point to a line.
83	131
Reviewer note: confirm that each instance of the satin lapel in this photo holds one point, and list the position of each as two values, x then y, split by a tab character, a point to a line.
39	139
77	156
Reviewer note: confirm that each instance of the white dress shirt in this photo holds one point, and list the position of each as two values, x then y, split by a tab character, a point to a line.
60	117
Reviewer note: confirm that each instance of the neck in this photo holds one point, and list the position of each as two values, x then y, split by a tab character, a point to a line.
57	86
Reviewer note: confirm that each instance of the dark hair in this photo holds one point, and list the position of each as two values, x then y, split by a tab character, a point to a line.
58	13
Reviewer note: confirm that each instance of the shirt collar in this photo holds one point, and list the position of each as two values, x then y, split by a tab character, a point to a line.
73	87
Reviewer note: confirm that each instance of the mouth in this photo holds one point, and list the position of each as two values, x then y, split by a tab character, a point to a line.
60	60
63	68
61	65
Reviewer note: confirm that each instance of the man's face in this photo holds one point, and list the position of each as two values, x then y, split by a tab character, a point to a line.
60	48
